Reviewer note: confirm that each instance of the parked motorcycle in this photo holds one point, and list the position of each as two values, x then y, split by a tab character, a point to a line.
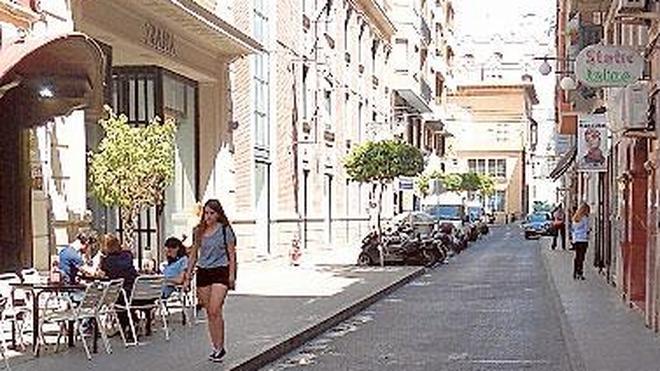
452	238
399	246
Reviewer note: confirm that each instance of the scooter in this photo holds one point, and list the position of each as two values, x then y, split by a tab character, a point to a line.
399	247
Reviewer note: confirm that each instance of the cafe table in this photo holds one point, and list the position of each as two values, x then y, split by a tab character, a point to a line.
37	289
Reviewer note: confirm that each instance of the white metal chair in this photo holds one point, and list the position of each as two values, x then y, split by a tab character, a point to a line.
89	308
17	312
146	295
32	275
108	313
3	345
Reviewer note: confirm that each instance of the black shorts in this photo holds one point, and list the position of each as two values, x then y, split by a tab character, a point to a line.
209	276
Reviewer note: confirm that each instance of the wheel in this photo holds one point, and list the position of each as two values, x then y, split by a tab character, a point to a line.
527	236
430	257
364	260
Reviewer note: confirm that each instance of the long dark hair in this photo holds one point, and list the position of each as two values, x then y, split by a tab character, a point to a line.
180	249
216	206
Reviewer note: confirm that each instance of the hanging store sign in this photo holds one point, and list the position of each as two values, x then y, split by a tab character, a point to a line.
600	66
592	143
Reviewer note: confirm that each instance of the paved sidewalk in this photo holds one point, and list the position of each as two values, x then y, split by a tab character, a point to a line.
275	309
603	334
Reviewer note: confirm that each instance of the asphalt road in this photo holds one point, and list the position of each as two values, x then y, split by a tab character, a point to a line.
489	308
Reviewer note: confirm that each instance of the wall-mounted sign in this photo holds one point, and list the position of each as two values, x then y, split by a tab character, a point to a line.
592	143
608	66
159	39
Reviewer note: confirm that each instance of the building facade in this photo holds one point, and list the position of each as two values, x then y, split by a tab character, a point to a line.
623	197
491	137
159	59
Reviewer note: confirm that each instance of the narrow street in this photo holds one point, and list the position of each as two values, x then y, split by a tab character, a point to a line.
490	308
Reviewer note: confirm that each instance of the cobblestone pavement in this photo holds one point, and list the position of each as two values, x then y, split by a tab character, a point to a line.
490	308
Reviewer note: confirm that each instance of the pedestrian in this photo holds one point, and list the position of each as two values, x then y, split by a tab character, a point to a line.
559	226
214	253
580	239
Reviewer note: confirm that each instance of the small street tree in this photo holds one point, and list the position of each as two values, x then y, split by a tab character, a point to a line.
132	167
379	163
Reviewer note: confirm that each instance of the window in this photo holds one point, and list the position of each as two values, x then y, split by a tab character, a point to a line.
359	128
472	166
491	167
327	103
143	92
360	44
374	51
261	77
346	35
498	201
305	103
481	166
347	116
501	168
401	55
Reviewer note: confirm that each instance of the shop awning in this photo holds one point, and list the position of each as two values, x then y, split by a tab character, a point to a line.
564	163
46	76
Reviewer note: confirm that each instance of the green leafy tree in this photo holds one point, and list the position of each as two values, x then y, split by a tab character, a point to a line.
132	167
423	183
379	163
452	182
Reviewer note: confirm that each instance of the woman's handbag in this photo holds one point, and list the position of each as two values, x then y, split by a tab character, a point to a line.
224	235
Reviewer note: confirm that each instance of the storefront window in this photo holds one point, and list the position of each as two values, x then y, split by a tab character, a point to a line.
143	93
179	103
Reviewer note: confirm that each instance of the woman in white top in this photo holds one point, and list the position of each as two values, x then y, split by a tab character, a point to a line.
580	234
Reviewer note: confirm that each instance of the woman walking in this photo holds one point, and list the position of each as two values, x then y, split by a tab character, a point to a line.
580	239
214	253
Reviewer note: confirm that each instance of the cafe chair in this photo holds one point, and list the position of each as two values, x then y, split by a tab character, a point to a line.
146	296
17	312
3	345
89	309
107	313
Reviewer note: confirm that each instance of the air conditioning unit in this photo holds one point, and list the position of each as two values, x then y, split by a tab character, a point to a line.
636	104
629	6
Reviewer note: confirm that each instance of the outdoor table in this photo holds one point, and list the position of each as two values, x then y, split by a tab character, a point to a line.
37	289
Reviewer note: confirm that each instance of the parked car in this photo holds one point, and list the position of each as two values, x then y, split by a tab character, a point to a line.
478	218
451	218
422	223
538	224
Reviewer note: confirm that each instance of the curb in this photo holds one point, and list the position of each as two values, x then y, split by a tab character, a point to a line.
574	356
275	352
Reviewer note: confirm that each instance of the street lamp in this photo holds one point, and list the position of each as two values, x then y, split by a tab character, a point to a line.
567	83
545	68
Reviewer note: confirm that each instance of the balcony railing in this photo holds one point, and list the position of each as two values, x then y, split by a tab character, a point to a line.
426	31
425	90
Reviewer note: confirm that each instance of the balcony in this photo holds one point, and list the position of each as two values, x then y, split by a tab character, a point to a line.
409	91
426	31
329	135
425	90
306	22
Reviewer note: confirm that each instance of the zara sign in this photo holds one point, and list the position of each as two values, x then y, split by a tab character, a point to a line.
600	66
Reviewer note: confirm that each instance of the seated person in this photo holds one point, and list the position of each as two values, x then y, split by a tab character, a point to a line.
177	263
70	258
118	263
